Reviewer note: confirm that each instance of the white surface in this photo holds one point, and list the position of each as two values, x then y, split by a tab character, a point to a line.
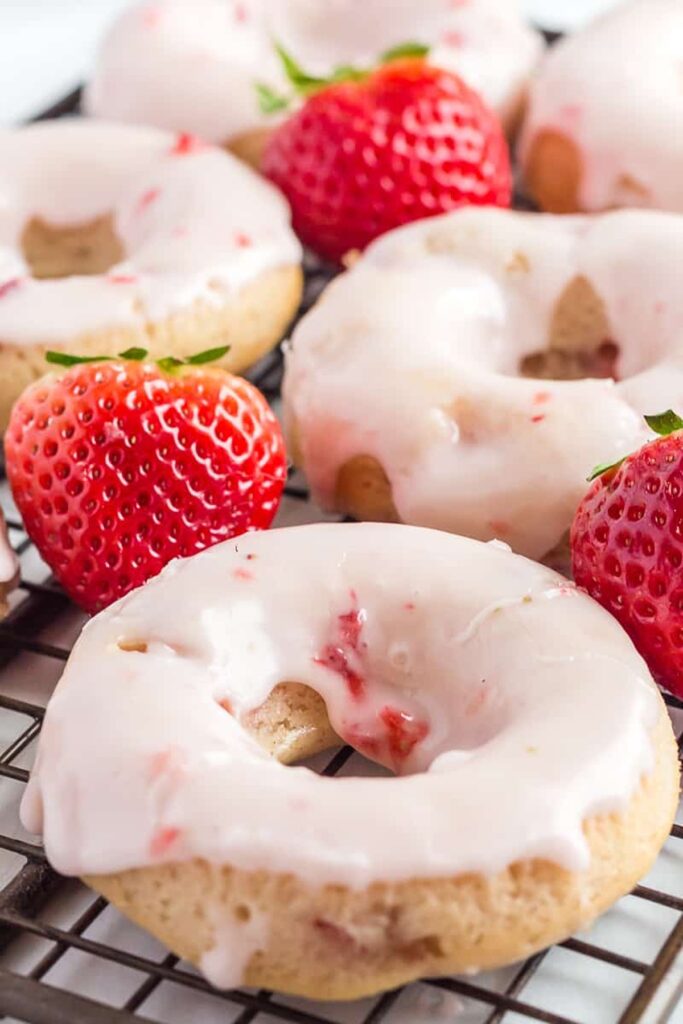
47	46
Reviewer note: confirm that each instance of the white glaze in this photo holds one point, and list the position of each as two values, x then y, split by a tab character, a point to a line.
537	718
234	944
615	91
190	65
184	221
9	563
412	357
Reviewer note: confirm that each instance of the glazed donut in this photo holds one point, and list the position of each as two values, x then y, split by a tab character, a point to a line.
193	67
9	568
602	132
468	671
411	390
114	236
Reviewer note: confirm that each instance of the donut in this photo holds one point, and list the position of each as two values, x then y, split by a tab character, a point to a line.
114	236
466	670
9	568
193	67
601	132
428	385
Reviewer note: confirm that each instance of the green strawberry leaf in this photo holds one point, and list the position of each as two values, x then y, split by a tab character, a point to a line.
210	355
305	84
169	363
604	467
665	423
136	355
300	79
347	73
271	102
404	50
64	359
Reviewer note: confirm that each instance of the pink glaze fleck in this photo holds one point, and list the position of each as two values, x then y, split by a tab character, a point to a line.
160	762
242	240
404	732
242	574
365	742
337	656
453	38
9	286
147	198
169	761
537	419
187	143
541	397
571	111
162	840
391	739
476	703
122	278
351	627
336	660
152	16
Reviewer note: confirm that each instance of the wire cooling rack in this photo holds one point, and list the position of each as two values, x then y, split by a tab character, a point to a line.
66	956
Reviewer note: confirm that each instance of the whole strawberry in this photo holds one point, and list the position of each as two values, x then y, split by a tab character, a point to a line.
118	467
373	151
627	547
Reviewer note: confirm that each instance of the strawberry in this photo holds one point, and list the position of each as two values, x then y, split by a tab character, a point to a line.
119	466
371	151
627	547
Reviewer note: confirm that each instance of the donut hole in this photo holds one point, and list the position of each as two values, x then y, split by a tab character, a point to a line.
560	364
55	251
388	732
363	491
580	342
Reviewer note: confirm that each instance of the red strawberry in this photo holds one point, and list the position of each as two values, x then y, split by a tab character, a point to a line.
627	547
118	467
369	153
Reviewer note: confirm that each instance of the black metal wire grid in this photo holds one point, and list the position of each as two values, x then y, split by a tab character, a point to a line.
26	897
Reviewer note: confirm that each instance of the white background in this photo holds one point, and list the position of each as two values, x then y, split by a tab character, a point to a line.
47	46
